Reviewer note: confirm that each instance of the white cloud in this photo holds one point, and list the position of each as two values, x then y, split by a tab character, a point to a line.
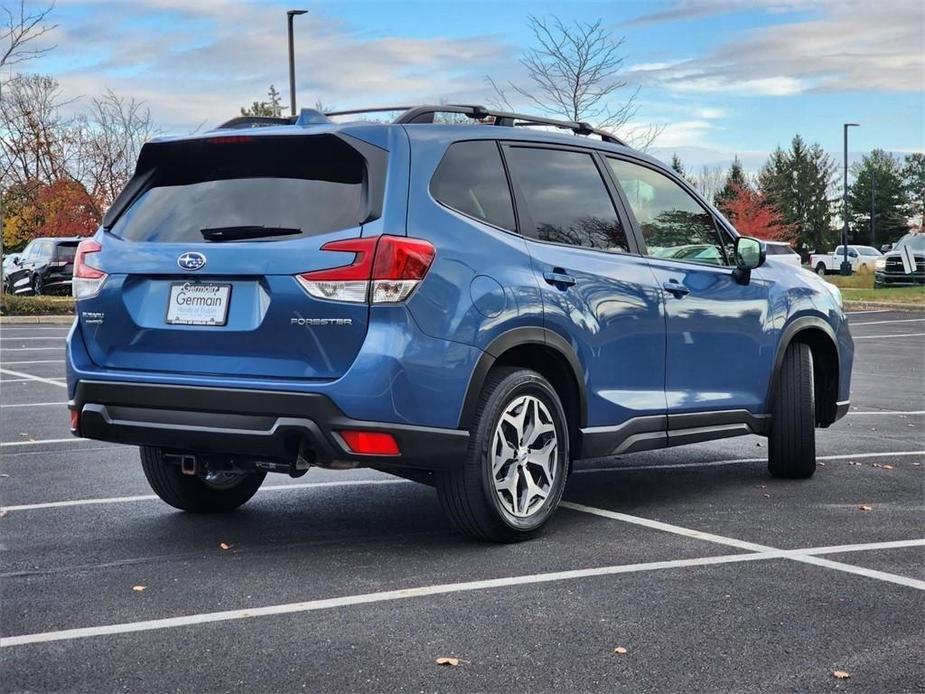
199	62
846	45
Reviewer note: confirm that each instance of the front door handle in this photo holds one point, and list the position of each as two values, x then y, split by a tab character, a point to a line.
559	278
679	291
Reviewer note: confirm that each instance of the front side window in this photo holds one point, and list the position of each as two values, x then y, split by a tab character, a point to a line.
674	224
471	180
566	198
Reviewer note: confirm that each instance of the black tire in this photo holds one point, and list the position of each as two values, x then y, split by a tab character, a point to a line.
792	441
37	285
467	493
820	270
192	493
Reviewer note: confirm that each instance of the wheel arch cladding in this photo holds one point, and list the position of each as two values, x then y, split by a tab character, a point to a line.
547	354
819	336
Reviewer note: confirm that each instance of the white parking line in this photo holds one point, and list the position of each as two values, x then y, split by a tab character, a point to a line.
873	337
796	555
43	361
886	322
901	413
152	497
418	592
34	404
24	380
31	377
21	339
32	349
39	442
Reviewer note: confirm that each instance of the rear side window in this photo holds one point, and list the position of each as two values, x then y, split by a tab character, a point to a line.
471	180
313	185
566	198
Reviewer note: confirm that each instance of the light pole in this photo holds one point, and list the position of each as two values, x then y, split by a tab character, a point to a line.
845	265
873	208
289	15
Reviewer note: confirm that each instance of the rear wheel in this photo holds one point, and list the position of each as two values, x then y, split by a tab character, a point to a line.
792	441
820	269
213	492
514	473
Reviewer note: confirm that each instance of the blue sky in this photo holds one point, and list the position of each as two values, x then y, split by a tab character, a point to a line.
721	76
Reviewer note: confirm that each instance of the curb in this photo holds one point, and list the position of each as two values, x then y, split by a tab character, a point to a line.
860	304
32	320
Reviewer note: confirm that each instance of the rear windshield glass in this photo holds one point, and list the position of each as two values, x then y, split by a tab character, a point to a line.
66	250
311	184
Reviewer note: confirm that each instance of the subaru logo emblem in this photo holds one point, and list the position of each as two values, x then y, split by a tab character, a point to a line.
191	260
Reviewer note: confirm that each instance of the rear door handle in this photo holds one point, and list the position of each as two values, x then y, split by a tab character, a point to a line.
678	290
559	278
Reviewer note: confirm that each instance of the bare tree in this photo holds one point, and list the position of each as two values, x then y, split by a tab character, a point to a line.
574	72
37	143
21	28
708	181
111	137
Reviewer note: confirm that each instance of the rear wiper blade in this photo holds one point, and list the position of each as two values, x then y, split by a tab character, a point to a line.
246	232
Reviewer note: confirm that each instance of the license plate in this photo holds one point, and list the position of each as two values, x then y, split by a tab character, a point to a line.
198	303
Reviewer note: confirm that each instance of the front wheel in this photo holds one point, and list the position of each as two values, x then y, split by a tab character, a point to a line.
792	441
38	286
820	270
514	473
214	492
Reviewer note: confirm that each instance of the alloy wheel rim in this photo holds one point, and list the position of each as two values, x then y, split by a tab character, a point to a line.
524	452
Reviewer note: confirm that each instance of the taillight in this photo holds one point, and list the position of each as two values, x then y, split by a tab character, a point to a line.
87	280
385	269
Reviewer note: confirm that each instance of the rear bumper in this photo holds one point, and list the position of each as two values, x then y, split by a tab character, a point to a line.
249	424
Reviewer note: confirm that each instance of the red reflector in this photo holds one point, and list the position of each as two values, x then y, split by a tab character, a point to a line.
370	442
75	420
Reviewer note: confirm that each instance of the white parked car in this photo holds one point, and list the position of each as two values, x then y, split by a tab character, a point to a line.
781	252
860	257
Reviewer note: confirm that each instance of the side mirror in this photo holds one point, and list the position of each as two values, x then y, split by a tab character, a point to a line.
749	254
17	260
886	248
852	254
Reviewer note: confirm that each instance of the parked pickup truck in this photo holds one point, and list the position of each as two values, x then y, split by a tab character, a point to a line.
860	257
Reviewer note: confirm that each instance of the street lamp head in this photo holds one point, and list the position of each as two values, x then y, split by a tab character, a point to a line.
852	125
293	13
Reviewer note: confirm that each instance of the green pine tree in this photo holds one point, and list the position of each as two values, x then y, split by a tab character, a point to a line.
914	175
879	189
735	180
271	108
677	165
798	182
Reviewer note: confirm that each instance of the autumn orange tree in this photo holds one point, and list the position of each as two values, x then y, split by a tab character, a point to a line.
753	215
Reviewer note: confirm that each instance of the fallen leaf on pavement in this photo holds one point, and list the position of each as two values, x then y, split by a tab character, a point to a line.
620	650
224	545
841	674
448	662
876	465
138	589
887	467
3	513
864	507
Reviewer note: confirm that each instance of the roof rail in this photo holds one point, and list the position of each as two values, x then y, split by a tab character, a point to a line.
425	114
242	122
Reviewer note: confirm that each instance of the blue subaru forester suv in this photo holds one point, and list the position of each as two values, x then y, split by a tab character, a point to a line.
469	306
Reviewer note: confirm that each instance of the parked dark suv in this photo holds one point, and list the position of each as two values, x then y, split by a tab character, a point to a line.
44	267
469	306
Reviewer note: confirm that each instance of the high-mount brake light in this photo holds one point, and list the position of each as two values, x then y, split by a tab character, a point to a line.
229	139
87	280
385	269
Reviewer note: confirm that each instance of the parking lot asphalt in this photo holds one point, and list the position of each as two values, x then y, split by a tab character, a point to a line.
710	574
